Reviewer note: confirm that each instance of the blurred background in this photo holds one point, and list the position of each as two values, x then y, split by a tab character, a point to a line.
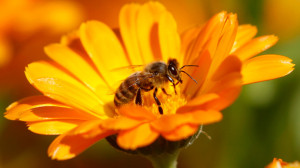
262	124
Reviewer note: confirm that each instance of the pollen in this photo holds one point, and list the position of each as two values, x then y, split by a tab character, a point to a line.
170	102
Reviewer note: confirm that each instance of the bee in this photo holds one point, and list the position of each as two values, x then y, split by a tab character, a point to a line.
154	76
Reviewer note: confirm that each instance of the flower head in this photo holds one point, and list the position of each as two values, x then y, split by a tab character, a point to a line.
278	163
79	83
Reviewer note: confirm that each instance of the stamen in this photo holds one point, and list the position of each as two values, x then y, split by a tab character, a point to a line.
169	103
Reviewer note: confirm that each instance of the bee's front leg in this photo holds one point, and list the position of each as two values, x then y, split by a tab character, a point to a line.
158	102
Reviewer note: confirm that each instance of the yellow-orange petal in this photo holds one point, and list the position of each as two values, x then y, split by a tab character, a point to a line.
59	85
16	109
187	38
147	21
128	29
53	127
169	38
121	123
224	42
255	46
168	123
68	146
52	113
137	137
217	48
212	27
80	68
106	51
266	67
199	100
228	90
181	132
279	163
244	34
226	76
199	74
136	112
231	64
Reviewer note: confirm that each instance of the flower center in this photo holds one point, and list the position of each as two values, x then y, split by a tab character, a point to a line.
169	103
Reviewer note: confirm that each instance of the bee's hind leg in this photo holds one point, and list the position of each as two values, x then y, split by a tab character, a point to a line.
138	98
158	102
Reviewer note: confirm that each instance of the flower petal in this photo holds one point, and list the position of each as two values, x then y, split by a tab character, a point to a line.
80	68
228	89
128	29
147	21
54	127
244	34
212	27
255	47
137	137
59	85
198	73
168	123
169	38
53	112
181	132
68	146
266	67
187	40
106	51
149	33
223	41
136	112
16	109
197	101
214	51
121	123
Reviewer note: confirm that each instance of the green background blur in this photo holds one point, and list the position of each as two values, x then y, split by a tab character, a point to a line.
262	124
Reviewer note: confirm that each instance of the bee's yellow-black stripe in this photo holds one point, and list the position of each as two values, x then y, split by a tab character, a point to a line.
126	92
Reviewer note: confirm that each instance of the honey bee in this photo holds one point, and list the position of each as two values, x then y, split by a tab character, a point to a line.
154	76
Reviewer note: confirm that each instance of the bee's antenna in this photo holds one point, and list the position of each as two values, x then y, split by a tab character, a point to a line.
188	65
189	76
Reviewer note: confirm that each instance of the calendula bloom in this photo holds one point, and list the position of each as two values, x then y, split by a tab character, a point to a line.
278	163
79	83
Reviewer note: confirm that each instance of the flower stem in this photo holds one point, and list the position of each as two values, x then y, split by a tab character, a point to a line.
164	160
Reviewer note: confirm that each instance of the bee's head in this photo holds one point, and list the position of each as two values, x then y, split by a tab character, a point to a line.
174	70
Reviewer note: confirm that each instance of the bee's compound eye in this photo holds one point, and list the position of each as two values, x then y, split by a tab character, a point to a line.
173	70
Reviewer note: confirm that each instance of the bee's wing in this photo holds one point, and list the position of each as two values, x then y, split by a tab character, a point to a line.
142	77
132	68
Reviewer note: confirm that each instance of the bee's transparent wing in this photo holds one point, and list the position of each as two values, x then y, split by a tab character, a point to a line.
132	68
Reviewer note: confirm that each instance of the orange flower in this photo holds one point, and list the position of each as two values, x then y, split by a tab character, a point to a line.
78	84
278	163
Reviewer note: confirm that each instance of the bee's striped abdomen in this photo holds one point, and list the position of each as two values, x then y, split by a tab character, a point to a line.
126	91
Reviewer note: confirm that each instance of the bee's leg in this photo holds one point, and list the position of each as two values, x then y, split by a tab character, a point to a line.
172	81
174	85
165	92
138	99
157	102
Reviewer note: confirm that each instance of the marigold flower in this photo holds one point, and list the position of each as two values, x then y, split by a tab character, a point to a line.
78	84
278	163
